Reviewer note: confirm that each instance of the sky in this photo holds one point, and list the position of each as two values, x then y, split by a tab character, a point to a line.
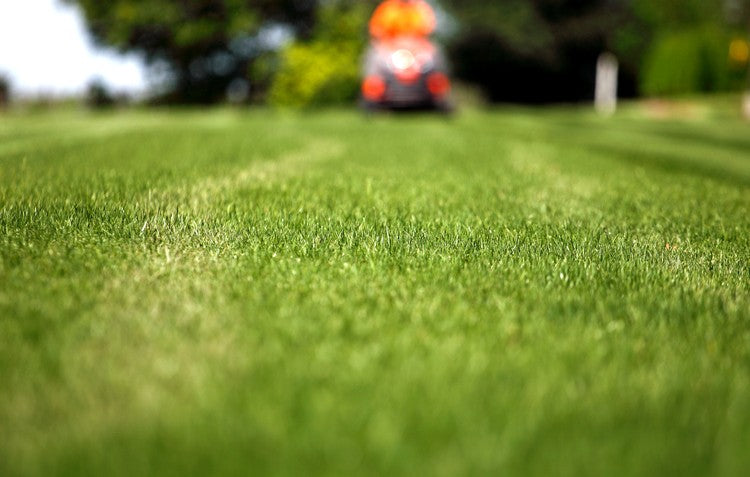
44	49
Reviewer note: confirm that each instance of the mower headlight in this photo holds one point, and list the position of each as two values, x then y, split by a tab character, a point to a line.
402	59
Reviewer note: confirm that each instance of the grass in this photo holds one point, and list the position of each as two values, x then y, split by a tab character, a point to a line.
528	292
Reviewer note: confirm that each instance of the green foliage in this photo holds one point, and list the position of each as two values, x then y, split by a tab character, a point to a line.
261	73
540	50
316	73
688	61
343	21
561	39
191	37
98	95
664	15
4	91
165	27
516	292
516	22
325	70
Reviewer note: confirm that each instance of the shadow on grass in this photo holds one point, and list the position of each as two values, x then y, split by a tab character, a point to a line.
668	162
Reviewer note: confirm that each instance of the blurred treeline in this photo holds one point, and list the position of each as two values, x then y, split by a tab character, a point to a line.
307	52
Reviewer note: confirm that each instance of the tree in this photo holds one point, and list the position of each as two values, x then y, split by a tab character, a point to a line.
546	50
541	50
4	91
98	95
205	45
676	14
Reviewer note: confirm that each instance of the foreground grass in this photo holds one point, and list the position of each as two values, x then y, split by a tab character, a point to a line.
516	291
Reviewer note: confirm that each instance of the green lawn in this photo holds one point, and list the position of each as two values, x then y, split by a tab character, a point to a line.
515	292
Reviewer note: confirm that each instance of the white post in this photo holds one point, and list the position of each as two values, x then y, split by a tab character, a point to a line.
605	96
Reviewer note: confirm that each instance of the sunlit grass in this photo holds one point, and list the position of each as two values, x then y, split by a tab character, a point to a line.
221	292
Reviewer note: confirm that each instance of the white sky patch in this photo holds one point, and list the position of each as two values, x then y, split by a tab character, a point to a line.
44	49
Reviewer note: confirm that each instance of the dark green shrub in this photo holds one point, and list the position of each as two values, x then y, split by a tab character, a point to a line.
686	62
98	95
4	92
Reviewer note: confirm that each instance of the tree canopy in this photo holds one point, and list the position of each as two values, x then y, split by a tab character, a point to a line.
546	50
205	45
541	50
